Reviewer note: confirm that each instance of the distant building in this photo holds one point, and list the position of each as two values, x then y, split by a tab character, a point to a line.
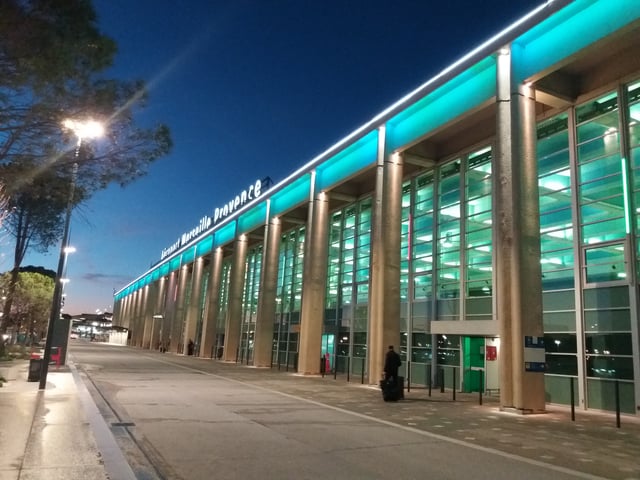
486	225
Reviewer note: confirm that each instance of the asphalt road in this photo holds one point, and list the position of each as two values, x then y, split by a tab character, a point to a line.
179	417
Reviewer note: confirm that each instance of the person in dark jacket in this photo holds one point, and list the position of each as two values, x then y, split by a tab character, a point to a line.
392	363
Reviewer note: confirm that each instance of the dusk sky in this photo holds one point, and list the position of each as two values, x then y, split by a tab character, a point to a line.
250	89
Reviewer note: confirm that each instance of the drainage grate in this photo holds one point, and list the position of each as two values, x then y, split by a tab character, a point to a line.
123	424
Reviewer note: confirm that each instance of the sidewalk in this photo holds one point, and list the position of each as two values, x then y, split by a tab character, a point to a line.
59	433
56	433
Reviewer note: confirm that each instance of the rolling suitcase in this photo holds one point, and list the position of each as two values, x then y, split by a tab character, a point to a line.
392	389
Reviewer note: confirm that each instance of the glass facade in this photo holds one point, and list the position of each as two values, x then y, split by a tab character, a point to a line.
586	284
223	297
250	303
286	328
347	296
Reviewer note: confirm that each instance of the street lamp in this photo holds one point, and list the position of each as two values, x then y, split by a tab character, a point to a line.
82	130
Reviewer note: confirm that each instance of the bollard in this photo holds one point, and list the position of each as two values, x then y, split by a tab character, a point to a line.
408	375
481	384
573	403
454	384
322	367
362	373
617	404
335	369
348	368
429	379
442	380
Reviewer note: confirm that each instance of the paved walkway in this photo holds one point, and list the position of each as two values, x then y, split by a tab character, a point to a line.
58	433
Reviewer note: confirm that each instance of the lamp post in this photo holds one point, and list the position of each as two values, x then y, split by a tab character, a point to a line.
82	130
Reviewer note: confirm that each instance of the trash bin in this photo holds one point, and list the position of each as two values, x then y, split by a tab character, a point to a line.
35	366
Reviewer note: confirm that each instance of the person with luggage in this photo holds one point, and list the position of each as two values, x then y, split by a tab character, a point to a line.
392	385
392	363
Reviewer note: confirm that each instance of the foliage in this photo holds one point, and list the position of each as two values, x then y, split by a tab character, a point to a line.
31	302
52	63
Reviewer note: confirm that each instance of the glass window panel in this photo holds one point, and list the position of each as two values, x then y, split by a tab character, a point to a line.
479	288
604	125
606	297
480	220
479	258
363	294
557	162
558	279
564	300
608	343
562	364
596	108
610	367
611	230
478	185
605	263
560	343
422	286
607	320
423	264
559	321
555	201
550	129
600	168
600	147
423	248
556	239
609	188
476	238
557	218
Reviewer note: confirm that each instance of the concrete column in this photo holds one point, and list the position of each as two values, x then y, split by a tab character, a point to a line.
137	321
157	315
376	290
123	319
210	322
517	224
117	312
384	320
314	285
151	338
170	307
149	303
142	315
193	309
177	324
263	341
236	290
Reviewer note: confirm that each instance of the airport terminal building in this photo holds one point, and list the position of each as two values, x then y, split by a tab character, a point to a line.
486	225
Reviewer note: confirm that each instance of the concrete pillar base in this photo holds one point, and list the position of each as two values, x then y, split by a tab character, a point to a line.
522	411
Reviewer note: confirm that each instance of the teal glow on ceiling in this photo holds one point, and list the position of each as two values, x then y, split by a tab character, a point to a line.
461	94
204	246
290	196
225	235
253	218
573	28
349	161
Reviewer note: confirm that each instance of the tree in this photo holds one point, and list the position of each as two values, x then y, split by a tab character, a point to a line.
31	302
52	59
